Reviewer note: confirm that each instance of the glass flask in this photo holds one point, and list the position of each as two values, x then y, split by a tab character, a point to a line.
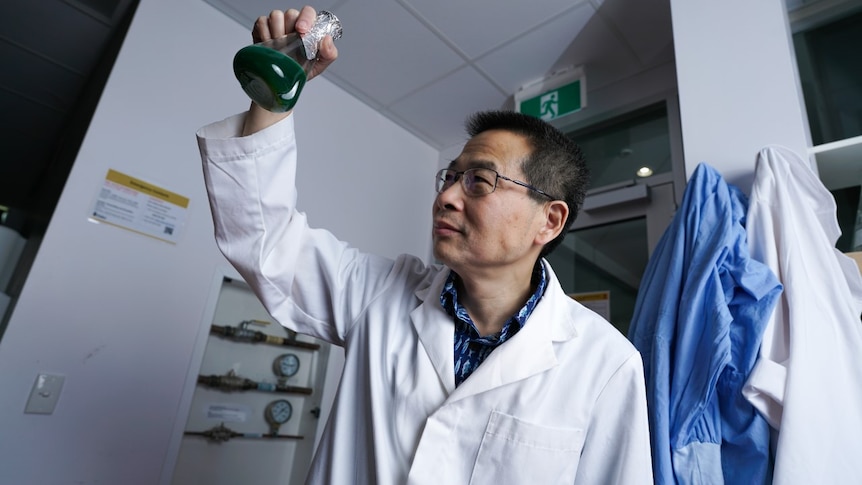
272	73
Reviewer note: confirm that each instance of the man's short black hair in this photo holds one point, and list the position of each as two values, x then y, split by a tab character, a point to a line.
556	165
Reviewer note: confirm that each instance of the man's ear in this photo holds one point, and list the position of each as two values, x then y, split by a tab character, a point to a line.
556	213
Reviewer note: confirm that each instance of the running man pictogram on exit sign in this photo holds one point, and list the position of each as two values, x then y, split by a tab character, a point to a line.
553	98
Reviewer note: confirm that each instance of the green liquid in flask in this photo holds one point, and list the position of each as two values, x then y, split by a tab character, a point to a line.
270	78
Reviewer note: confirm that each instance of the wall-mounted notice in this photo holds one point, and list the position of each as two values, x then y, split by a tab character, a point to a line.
597	301
139	206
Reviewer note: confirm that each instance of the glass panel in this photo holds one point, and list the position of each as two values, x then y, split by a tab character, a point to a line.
849	215
608	258
617	150
831	76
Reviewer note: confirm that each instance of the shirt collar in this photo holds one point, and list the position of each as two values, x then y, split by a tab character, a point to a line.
450	303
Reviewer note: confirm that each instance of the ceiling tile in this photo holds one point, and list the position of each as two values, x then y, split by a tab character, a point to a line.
344	84
598	48
477	27
645	25
538	53
388	67
442	106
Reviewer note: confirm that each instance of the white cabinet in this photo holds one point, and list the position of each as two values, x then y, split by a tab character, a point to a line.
839	163
227	439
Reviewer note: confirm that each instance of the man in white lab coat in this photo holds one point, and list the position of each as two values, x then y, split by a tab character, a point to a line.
480	370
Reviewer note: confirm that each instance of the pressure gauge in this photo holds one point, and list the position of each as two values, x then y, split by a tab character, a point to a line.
286	365
278	412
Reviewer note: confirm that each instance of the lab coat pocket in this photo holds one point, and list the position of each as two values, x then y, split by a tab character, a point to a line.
514	451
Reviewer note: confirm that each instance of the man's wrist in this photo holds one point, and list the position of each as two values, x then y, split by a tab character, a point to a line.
257	119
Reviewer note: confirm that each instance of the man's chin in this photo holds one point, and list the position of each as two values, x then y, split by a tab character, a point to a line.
440	254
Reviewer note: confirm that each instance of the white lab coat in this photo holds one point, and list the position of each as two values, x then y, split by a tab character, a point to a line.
807	382
562	402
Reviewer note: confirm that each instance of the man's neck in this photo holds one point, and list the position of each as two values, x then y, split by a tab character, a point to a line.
492	298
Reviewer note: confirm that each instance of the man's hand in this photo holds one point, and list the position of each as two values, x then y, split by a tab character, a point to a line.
278	24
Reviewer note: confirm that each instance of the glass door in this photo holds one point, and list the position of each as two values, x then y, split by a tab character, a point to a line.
634	163
602	267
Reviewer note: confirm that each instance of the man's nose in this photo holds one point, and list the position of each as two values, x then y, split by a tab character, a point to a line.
451	196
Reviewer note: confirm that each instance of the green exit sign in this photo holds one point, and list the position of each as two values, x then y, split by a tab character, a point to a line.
553	98
555	103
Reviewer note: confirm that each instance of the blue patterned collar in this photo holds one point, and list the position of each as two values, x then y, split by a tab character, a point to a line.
449	300
471	349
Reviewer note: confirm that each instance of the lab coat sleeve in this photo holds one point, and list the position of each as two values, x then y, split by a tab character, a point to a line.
617	446
306	278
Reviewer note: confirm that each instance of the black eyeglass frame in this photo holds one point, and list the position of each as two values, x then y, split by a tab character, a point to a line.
459	174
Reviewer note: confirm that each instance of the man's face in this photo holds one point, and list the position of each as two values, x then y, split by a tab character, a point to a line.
491	231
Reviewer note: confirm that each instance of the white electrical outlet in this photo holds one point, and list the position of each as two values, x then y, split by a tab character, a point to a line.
45	393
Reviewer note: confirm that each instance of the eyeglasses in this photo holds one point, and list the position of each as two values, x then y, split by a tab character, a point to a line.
477	181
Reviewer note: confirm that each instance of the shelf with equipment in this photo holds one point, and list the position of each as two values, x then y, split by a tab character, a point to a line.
255	408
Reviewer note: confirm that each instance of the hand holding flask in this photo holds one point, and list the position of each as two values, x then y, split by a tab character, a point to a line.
272	73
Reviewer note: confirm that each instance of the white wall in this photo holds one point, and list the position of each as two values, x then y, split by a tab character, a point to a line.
118	313
738	84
